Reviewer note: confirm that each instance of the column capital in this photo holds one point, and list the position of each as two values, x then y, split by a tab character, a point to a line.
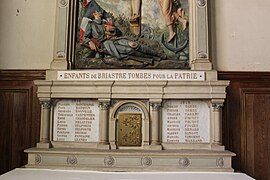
46	104
104	105
155	106
217	106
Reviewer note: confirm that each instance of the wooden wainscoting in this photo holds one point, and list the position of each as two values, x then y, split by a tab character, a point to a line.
246	120
19	116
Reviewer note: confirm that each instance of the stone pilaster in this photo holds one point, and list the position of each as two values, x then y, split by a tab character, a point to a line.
217	125
60	55
155	126
104	125
45	125
199	40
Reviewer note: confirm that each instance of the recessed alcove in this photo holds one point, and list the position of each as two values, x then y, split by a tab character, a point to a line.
134	132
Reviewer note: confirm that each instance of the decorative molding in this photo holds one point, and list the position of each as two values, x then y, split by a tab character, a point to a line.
63	3
220	162
72	160
109	161
201	3
46	104
129	108
184	162
60	54
155	106
146	161
202	55
37	159
217	106
104	105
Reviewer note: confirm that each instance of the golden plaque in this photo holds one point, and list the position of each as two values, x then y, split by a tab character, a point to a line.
129	129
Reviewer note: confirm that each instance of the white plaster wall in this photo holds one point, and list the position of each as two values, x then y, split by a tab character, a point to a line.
240	34
26	33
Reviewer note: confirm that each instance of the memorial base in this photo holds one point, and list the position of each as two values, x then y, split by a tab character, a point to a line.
111	120
130	160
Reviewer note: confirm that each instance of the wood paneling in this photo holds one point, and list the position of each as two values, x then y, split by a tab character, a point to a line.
256	119
246	120
19	116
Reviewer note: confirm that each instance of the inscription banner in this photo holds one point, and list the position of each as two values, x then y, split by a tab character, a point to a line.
186	121
76	120
127	75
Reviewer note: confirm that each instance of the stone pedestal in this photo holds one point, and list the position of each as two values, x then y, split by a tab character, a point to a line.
180	125
131	160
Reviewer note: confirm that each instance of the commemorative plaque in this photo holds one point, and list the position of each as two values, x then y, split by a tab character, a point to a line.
76	120
186	121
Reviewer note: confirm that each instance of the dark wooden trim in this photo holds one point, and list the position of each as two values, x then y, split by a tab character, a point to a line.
244	76
22	75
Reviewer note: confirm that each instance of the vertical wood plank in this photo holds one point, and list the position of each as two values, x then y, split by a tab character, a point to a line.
6	101
249	143
19	129
261	139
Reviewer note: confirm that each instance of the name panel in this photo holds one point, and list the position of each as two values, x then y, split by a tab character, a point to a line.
185	121
76	120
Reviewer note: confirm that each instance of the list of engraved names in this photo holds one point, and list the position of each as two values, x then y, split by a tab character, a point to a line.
76	120
186	121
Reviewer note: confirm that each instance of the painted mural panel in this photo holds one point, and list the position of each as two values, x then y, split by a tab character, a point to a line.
132	34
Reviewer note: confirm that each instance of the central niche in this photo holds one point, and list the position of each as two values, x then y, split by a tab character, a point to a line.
129	123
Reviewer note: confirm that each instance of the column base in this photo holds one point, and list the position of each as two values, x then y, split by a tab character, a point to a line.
217	147
201	64
152	147
44	145
59	64
103	146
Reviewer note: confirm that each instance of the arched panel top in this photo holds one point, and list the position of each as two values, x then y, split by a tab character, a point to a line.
130	106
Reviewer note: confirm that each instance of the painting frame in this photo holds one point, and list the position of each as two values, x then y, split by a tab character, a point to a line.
67	24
